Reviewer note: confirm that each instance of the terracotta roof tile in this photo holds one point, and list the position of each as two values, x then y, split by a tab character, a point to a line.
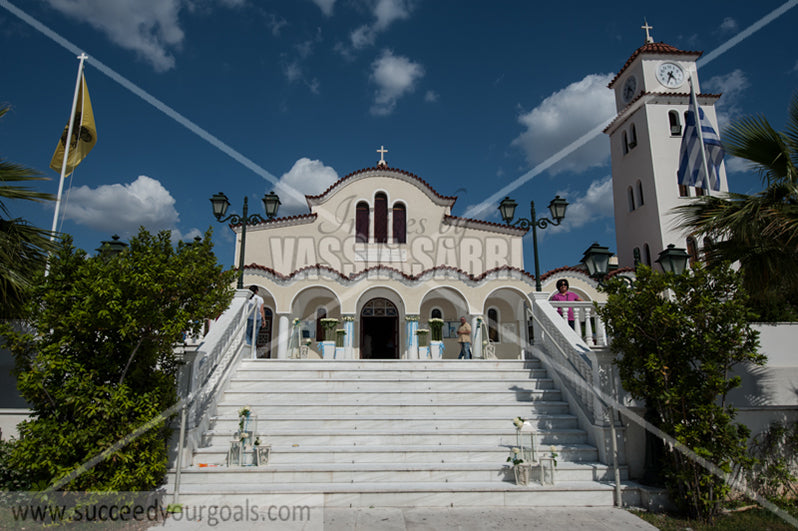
652	48
382	168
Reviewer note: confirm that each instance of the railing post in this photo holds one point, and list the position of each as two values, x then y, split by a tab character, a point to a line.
180	443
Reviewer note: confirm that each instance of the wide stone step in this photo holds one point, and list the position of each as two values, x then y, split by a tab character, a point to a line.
385	472
372	437
434	453
408	365
399	494
504	409
270	422
392	396
280	384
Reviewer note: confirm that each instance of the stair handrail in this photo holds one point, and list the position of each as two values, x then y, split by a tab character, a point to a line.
587	378
211	365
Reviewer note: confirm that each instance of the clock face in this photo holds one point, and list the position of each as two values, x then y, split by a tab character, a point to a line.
629	88
670	75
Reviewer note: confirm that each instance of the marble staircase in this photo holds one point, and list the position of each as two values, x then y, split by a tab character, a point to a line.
395	433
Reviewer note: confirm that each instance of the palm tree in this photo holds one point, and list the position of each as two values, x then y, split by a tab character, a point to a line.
23	247
759	231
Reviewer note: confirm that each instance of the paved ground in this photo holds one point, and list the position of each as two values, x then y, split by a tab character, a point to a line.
426	519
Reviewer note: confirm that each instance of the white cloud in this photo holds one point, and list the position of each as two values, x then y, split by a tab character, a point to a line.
326	6
732	86
385	13
729	25
564	117
593	205
431	96
122	208
148	27
187	237
306	177
395	76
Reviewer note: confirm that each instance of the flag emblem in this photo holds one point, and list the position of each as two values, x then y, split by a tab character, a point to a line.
701	149
84	134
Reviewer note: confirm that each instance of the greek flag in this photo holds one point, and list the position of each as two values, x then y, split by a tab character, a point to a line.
701	149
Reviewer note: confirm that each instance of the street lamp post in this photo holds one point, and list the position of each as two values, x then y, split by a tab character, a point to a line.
557	208
220	204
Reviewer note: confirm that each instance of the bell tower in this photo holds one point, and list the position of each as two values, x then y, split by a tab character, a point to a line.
652	93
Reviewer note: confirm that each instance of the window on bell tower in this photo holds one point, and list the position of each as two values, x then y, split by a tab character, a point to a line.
676	126
632	137
630	196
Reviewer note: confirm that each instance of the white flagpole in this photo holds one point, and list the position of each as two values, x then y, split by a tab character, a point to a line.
71	123
694	101
67	143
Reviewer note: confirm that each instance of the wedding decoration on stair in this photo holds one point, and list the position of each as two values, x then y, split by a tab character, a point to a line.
529	455
246	448
521	470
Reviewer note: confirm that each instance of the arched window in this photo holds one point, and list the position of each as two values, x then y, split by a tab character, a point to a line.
399	223
708	243
321	313
493	325
640	200
632	137
676	126
692	250
362	222
684	191
636	255
381	218
630	195
436	314
625	139
647	254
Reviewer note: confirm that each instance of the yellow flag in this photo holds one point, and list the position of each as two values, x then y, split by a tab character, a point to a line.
84	133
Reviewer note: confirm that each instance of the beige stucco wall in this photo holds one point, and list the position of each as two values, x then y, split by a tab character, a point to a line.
327	236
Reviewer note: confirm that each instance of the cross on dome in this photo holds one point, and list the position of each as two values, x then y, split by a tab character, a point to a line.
382	151
645	26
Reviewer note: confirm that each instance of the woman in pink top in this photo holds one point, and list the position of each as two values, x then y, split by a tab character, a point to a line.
567	296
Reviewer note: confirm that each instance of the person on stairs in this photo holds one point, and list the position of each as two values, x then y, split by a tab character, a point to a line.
464	338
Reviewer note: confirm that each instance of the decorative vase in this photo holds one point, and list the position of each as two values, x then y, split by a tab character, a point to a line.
521	473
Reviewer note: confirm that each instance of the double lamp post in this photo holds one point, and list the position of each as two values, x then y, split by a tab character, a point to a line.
220	203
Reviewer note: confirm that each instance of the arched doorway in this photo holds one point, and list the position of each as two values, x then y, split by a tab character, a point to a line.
379	330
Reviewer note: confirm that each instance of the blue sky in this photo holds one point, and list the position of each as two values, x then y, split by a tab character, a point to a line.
468	95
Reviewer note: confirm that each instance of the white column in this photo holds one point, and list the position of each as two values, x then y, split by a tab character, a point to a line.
349	338
476	336
283	335
411	326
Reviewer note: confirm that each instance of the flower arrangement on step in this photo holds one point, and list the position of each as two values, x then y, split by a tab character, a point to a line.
553	455
515	457
518	422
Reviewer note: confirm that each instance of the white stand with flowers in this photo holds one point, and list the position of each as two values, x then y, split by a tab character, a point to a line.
245	448
527	457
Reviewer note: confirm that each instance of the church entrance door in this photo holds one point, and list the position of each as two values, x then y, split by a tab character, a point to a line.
379	330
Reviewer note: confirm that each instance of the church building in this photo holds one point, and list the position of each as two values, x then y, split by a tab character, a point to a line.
381	253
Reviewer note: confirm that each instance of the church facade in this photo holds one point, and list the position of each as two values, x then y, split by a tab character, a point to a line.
381	254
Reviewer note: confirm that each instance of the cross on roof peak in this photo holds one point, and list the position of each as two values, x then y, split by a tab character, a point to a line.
645	26
382	151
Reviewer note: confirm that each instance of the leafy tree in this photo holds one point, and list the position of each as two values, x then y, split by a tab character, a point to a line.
23	247
760	230
677	338
101	361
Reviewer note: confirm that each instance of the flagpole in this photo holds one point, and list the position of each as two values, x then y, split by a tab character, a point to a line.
68	142
694	102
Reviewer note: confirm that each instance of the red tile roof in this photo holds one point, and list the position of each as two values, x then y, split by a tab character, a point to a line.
384	169
653	48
